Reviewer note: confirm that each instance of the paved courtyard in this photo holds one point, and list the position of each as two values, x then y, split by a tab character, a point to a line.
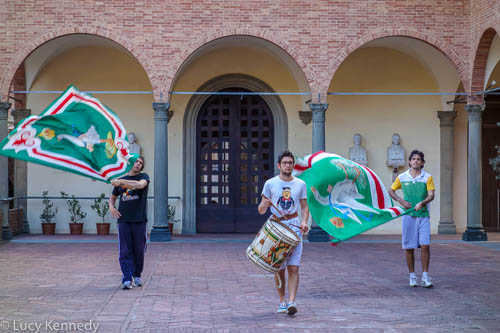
205	283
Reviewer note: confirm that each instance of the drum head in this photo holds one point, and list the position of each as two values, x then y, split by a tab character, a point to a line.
286	230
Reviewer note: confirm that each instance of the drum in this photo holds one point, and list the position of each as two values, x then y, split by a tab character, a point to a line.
273	244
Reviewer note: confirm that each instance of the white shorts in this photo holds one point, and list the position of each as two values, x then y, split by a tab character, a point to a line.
416	231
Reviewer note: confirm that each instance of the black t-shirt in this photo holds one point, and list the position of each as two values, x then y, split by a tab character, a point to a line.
133	205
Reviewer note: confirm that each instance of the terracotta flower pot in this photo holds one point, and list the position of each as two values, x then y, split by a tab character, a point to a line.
103	228
75	228
171	227
48	228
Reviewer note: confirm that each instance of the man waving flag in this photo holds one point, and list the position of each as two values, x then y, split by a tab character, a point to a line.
75	133
344	198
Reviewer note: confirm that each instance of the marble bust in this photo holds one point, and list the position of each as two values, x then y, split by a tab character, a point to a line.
395	153
134	147
357	153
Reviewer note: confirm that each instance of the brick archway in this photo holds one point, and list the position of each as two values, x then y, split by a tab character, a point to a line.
439	44
273	38
29	47
479	65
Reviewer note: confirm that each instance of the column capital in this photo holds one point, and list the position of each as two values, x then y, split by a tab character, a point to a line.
318	111
447	118
161	110
318	107
20	114
475	111
4	110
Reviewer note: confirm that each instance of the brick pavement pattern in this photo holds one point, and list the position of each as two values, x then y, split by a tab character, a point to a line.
204	284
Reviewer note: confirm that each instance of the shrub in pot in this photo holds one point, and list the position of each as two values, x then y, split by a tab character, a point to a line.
75	214
171	218
101	207
47	215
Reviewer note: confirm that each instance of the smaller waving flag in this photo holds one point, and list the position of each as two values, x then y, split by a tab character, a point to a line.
75	133
344	198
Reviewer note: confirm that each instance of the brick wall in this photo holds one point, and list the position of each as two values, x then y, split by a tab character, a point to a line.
19	83
317	34
15	220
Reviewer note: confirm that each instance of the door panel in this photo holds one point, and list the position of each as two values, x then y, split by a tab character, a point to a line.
490	185
234	159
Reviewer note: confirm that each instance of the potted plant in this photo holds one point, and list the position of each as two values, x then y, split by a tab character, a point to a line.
75	214
171	218
101	207
47	215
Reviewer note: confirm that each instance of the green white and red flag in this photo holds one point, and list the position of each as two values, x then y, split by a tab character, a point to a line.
344	198
75	133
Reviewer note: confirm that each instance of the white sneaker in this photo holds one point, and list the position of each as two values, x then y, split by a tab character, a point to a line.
127	285
413	281
292	309
426	282
283	307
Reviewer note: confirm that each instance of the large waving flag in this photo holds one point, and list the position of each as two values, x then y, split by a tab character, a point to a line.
75	133
344	198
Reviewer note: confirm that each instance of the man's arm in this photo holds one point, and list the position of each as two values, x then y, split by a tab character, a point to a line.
429	198
304	209
130	184
265	203
114	212
401	201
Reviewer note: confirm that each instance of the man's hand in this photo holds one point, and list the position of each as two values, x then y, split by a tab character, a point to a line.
116	182
405	204
114	212
418	206
266	203
304	227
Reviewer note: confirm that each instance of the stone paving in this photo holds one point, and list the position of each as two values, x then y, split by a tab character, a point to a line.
205	283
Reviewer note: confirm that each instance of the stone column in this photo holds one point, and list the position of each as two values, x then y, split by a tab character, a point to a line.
21	173
4	173
160	232
446	123
316	234
474	230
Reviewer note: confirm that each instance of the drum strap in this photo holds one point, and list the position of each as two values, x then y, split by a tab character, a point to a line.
285	217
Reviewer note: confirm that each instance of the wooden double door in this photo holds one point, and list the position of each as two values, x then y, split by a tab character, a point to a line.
491	185
235	156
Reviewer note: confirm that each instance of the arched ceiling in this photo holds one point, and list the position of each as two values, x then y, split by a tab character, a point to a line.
255	43
493	60
44	54
443	71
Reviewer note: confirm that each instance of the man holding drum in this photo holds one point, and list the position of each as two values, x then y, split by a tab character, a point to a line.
284	194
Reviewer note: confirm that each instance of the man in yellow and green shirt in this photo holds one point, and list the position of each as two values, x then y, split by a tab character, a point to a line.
418	190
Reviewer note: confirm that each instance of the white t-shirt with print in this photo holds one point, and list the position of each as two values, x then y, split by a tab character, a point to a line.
286	197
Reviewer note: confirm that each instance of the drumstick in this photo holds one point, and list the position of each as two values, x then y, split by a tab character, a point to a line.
279	211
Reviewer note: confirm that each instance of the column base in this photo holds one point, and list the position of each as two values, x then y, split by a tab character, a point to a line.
316	235
6	233
160	234
474	235
26	227
447	227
